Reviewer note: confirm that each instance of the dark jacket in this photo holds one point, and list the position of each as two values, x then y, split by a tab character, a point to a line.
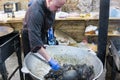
36	23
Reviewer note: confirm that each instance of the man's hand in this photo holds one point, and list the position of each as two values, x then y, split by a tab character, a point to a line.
54	64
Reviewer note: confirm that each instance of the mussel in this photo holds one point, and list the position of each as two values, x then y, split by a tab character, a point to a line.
71	72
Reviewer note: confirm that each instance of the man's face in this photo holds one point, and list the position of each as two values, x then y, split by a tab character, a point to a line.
55	5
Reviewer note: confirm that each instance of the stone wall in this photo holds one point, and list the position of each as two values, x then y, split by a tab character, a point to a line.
84	6
71	5
23	3
81	5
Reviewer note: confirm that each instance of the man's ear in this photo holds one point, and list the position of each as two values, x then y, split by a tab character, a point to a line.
49	2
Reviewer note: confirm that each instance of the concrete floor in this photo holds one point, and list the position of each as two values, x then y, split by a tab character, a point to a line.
11	64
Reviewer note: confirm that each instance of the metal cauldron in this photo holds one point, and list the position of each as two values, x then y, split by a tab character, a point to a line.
63	54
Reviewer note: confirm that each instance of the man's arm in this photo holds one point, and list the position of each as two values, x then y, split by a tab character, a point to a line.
44	53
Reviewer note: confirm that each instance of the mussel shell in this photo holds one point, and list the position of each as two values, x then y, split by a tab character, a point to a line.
70	75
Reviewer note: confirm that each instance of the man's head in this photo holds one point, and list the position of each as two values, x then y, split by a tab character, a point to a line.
54	5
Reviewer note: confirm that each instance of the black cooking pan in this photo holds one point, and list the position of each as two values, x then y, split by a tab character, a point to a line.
5	30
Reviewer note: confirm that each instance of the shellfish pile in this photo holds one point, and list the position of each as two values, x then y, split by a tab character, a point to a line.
71	72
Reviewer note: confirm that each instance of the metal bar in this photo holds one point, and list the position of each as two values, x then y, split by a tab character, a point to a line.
103	29
3	71
19	55
13	73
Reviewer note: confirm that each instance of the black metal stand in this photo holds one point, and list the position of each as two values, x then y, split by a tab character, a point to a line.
9	44
103	29
3	71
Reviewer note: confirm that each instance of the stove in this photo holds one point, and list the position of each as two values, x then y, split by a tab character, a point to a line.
114	56
115	51
8	45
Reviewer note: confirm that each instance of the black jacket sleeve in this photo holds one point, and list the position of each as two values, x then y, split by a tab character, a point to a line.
34	24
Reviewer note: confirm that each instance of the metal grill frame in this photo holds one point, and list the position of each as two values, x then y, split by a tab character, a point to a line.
8	45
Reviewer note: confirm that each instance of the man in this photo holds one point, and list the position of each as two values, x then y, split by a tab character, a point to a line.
39	18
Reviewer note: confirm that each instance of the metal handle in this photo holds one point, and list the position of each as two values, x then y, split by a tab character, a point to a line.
24	70
39	58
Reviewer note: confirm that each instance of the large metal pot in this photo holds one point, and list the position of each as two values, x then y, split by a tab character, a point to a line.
63	54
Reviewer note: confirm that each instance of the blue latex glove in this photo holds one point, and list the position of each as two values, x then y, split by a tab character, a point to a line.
54	64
